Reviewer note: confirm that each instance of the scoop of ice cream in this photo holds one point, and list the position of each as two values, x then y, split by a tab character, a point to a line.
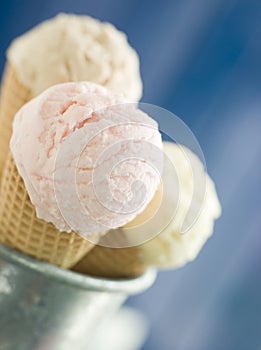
76	48
90	160
182	212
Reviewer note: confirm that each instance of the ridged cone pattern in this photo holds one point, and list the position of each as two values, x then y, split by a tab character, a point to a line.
13	96
22	230
111	263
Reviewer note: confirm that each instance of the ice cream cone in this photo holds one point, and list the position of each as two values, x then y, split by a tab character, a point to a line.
13	96
22	230
37	183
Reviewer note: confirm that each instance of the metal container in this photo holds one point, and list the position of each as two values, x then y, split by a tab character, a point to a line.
43	307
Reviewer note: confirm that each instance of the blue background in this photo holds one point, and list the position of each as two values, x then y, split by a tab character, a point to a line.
201	59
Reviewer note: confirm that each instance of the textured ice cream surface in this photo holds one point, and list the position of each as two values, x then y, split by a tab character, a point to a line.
76	48
89	159
188	209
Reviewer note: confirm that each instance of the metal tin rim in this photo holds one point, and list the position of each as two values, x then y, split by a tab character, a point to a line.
127	286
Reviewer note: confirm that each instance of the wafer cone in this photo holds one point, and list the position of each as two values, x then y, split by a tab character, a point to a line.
13	96
111	263
22	230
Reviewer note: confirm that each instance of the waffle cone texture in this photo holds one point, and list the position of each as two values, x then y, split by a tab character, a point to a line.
112	263
22	230
13	96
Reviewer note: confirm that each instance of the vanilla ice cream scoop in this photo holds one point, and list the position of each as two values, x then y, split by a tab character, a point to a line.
76	48
182	214
90	160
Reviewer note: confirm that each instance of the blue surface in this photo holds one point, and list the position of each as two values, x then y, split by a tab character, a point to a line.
201	59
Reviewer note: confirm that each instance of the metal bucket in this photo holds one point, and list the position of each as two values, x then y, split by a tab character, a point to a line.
43	307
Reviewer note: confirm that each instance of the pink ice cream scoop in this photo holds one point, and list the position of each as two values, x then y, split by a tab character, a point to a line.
90	161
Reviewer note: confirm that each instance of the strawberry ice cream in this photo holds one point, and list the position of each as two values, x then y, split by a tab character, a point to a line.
90	160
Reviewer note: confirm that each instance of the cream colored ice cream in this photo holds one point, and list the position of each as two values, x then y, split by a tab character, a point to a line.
184	219
76	48
89	160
